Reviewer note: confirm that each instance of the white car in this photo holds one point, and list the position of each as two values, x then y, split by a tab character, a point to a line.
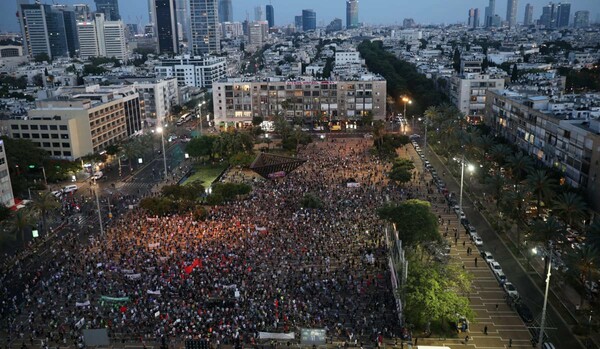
495	266
477	240
487	256
510	289
97	175
499	274
57	193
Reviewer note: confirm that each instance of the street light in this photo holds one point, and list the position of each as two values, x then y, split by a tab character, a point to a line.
160	130
99	211
470	168
406	100
543	322
200	115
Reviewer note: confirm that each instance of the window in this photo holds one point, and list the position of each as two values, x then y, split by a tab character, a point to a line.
24	127
56	144
45	135
17	135
2	161
66	145
54	136
43	127
46	144
66	153
26	135
34	127
63	127
14	127
53	127
35	135
57	153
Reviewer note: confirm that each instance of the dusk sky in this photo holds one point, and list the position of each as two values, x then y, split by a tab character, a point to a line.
371	11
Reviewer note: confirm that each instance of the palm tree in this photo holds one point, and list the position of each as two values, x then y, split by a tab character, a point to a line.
541	186
500	152
514	205
497	183
545	231
570	207
519	164
593	234
378	131
42	204
584	261
21	220
486	142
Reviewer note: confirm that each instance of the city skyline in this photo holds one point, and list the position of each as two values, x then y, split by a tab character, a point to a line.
372	13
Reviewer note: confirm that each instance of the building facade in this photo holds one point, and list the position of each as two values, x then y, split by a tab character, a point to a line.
528	19
468	91
237	101
351	14
198	71
582	19
6	194
205	27
158	97
511	12
110	8
270	15
225	11
165	24
309	20
100	38
43	30
569	141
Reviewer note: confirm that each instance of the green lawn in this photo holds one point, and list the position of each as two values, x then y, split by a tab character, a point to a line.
206	173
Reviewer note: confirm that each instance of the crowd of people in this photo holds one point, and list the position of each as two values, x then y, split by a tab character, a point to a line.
260	264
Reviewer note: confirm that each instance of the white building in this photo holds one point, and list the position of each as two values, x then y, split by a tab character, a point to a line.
255	35
231	30
100	38
198	71
6	194
468	91
159	96
347	57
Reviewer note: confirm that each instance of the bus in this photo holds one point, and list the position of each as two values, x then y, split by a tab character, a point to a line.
184	118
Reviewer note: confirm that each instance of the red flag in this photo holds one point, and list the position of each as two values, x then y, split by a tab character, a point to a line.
189	269
123	309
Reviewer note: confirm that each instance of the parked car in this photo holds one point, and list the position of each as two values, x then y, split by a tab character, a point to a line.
57	193
477	240
524	312
510	289
495	266
97	175
70	188
499	274
487	256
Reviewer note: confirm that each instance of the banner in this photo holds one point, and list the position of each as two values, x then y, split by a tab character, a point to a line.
114	299
82	304
153	292
154	245
128	271
133	276
274	335
80	323
195	263
352	185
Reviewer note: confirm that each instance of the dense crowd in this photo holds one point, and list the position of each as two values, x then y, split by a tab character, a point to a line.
261	264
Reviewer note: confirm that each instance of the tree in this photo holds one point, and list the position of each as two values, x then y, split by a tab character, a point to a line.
515	74
42	204
570	207
414	221
21	220
311	201
496	183
378	132
113	149
520	164
201	146
500	153
38	80
541	186
456	60
42	57
401	171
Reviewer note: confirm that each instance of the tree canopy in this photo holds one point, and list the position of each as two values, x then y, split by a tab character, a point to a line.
414	221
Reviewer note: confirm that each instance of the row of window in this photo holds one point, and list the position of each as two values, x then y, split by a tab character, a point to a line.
39	127
41	135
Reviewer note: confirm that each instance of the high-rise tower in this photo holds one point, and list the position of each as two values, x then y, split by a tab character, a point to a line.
165	23
225	11
270	15
110	8
511	13
351	14
490	12
528	19
205	23
309	20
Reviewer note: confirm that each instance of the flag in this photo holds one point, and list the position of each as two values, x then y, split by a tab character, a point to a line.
123	309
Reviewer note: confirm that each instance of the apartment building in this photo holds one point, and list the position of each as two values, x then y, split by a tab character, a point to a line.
560	133
80	121
237	101
468	91
198	71
159	97
6	194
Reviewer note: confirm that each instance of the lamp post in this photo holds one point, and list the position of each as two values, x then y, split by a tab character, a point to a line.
200	115
406	100
471	168
99	211
543	321
162	138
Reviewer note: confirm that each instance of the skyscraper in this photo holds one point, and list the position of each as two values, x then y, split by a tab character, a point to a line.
528	20
548	17
471	18
183	18
351	14
43	30
82	12
225	11
309	20
563	15
205	23
298	22
511	13
476	20
70	23
165	24
490	12
110	8
270	15
258	14
582	19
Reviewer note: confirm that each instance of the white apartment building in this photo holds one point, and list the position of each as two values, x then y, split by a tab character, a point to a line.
198	71
6	194
468	91
347	57
231	30
158	96
100	38
237	101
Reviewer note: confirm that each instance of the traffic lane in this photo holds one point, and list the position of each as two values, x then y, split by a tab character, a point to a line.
560	335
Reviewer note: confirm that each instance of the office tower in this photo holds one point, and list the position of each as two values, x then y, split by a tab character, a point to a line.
408	23
582	19
165	22
511	13
205	27
255	34
298	22
110	8
225	11
258	14
102	38
82	12
43	30
270	15
547	18
334	26
351	14
476	19
528	20
309	20
70	23
183	18
490	12
471	18
563	15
